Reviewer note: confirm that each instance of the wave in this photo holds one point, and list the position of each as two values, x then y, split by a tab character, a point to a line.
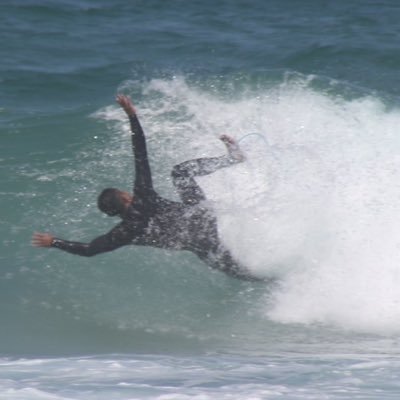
314	207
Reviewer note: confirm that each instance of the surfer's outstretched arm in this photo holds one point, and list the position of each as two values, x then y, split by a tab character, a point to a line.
110	241
143	181
78	248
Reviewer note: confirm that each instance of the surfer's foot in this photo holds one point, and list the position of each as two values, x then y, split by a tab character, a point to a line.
233	148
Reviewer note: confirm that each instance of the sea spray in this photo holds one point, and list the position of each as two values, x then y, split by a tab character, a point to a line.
313	207
317	201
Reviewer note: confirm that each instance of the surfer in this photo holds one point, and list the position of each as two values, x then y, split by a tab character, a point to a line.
148	219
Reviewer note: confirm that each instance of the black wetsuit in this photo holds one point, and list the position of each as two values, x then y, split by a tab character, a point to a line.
154	221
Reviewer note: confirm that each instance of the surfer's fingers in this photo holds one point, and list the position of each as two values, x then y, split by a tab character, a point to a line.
120	99
41	239
36	239
126	103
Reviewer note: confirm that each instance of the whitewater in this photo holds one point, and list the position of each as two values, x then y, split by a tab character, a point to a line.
314	204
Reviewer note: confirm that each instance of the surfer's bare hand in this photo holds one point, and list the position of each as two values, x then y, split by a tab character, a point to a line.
126	103
42	239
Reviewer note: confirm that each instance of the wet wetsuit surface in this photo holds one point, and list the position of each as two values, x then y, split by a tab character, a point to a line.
155	221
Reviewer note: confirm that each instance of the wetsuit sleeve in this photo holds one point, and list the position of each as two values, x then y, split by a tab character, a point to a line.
143	181
114	239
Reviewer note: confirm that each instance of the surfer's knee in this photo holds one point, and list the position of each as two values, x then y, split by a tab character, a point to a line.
179	171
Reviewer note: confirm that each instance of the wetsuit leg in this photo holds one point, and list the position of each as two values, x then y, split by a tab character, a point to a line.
205	242
221	259
183	176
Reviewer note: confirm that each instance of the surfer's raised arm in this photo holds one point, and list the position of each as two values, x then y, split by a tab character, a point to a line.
143	182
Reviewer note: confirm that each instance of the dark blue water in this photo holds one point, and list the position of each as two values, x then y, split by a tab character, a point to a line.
311	91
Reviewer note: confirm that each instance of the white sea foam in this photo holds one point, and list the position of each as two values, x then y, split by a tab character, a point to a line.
317	202
207	377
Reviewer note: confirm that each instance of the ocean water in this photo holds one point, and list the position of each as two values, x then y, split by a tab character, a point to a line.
310	89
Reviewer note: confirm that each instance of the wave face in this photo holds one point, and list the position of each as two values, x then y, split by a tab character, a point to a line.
313	208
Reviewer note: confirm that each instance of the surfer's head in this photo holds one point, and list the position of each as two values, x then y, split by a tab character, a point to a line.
113	201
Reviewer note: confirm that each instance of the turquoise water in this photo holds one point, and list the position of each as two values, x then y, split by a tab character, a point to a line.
311	91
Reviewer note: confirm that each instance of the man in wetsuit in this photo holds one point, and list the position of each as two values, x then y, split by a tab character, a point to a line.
150	220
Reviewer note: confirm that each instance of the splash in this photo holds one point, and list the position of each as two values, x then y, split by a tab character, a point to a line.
317	202
314	206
